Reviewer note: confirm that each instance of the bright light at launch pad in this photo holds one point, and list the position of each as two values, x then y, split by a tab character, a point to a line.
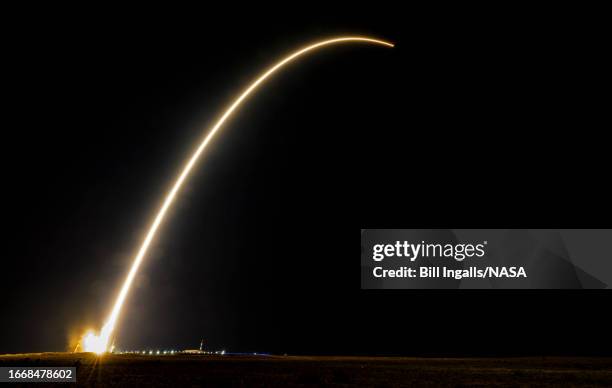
99	343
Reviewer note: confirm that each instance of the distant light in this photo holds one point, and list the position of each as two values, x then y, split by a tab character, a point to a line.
150	352
223	352
158	352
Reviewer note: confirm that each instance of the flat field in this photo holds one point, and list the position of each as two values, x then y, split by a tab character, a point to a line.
300	371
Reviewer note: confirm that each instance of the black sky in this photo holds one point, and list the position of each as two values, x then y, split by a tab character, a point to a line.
468	122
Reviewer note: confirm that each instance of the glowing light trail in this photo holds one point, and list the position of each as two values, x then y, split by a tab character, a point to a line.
99	343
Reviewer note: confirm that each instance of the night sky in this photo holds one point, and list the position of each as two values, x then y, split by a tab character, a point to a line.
466	123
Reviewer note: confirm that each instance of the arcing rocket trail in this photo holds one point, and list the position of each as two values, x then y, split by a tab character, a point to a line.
99	343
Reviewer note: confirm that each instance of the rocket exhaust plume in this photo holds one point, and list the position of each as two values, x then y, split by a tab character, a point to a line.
98	343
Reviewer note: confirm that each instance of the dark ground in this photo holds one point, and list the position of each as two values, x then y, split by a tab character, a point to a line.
296	371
